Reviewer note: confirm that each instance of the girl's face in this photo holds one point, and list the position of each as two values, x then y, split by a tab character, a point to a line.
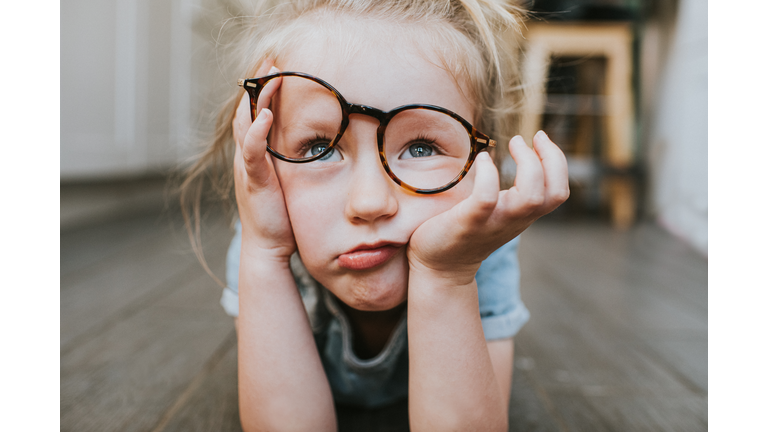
351	222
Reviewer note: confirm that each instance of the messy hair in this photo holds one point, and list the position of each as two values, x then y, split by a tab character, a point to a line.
477	42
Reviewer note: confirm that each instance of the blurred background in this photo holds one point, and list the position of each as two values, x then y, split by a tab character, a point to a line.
141	83
616	279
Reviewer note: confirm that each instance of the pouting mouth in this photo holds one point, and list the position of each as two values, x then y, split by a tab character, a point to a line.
372	246
368	256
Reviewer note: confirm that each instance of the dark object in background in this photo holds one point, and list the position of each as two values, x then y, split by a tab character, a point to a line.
574	114
581	10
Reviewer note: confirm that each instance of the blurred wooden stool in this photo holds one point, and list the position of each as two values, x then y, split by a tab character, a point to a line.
613	41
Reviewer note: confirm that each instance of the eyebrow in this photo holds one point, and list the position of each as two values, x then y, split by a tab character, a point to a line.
313	125
309	109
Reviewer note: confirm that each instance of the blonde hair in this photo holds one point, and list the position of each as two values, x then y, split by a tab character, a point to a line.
477	41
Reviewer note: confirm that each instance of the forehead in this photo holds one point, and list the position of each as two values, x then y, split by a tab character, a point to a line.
377	63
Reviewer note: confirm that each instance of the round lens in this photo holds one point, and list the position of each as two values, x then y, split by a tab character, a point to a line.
307	117
426	149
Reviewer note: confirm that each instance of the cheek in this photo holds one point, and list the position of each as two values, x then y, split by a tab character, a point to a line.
311	211
423	207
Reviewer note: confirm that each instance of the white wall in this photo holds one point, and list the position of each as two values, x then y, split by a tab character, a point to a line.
130	77
677	142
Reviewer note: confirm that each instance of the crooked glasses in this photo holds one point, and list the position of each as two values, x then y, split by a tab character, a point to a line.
425	149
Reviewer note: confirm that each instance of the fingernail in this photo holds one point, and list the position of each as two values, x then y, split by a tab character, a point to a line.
518	138
273	70
262	117
484	156
541	132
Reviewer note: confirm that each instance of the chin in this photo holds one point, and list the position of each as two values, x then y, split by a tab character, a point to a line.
379	290
369	298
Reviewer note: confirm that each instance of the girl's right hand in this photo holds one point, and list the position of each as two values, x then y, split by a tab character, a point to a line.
267	230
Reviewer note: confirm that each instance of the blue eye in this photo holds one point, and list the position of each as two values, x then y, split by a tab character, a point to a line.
332	156
418	150
317	149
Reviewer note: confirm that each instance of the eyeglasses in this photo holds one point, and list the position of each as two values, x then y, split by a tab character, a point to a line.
425	149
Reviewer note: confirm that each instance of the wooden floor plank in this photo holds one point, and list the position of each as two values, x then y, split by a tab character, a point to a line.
85	246
574	347
579	416
651	413
642	263
210	402
529	408
129	277
633	299
593	316
127	377
686	352
147	333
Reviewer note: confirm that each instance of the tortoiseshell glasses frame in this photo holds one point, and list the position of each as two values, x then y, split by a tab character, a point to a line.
478	140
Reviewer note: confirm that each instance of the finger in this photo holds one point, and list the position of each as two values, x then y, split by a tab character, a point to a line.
242	120
555	170
255	147
528	192
265	97
479	206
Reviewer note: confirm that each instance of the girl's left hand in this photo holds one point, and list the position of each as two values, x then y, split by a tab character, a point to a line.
454	243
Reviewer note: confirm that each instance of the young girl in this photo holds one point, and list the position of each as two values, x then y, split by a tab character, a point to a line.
367	204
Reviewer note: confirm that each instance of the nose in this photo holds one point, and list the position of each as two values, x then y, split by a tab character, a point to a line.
371	194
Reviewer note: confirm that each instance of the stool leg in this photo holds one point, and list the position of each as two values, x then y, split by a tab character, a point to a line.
618	90
622	200
535	71
619	152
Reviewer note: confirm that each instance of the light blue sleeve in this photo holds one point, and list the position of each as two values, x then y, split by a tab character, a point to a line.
229	298
498	283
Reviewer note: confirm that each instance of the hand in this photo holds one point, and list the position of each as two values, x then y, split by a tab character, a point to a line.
260	200
453	244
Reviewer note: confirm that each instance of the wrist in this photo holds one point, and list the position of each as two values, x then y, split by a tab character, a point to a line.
461	275
258	252
434	294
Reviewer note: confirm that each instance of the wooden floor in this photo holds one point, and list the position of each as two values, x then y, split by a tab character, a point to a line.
617	339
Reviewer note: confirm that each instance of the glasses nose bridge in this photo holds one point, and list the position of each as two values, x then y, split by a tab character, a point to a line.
369	111
373	112
383	118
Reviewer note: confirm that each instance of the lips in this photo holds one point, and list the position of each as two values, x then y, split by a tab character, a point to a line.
366	257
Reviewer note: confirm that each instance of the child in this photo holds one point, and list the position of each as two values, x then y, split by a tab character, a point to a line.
360	179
